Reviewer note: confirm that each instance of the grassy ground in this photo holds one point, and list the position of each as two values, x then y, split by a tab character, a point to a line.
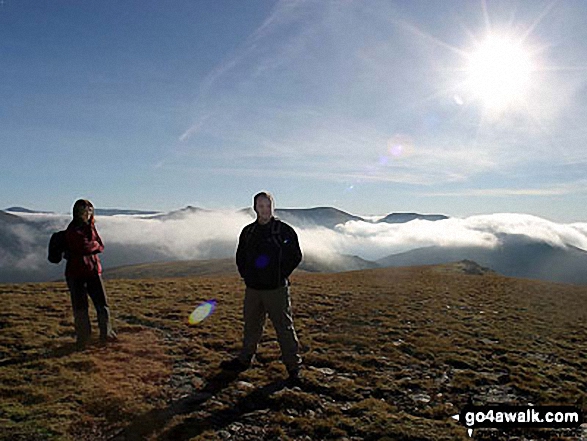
389	353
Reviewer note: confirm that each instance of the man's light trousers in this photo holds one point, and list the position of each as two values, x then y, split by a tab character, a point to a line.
277	304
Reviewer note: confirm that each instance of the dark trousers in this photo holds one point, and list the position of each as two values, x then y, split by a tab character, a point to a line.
80	289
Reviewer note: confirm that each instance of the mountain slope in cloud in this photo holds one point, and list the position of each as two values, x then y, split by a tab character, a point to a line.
22	258
515	256
10	240
8	218
334	263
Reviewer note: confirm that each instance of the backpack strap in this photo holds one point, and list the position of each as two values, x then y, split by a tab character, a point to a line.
276	227
276	233
250	231
278	241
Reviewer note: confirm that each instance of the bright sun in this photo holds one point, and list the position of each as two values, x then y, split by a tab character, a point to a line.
499	73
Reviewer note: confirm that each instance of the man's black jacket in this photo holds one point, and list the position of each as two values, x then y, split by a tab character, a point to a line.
267	254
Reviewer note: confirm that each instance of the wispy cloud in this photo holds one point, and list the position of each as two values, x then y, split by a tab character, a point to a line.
284	12
559	189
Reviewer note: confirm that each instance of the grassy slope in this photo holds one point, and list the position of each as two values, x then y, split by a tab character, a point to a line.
390	352
227	267
185	268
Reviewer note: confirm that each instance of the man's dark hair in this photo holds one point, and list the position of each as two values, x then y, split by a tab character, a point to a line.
263	194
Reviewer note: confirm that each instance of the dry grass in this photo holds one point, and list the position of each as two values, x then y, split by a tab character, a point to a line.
389	353
185	268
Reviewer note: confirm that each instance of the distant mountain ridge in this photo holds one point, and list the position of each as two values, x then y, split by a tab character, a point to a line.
118	211
327	217
26	210
98	211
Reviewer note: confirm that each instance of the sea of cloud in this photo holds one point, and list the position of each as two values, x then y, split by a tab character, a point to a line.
214	234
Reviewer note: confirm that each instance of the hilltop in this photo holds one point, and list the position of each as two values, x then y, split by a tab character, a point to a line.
389	353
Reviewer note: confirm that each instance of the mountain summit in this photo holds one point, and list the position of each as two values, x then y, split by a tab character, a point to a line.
396	218
388	354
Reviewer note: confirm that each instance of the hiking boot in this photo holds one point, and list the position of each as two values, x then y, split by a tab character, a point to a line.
234	365
111	337
294	377
81	345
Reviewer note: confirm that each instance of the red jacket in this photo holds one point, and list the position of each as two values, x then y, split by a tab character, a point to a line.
83	245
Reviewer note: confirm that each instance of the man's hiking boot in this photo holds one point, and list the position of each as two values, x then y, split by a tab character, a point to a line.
234	365
81	345
110	338
294	377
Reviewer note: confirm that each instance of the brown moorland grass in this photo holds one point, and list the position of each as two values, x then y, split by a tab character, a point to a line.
184	268
389	354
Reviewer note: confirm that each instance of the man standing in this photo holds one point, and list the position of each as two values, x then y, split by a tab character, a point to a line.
268	251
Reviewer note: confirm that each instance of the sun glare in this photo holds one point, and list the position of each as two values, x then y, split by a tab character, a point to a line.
499	72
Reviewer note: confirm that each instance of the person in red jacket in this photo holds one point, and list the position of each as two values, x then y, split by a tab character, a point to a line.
83	274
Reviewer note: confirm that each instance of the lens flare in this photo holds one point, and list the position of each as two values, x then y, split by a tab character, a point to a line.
201	312
400	145
396	150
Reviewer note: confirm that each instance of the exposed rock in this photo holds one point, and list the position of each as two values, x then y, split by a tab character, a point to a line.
243	385
473	268
488	341
422	398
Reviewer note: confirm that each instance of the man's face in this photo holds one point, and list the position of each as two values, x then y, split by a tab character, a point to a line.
263	209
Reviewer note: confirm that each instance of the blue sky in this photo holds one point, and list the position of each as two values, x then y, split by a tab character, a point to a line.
372	107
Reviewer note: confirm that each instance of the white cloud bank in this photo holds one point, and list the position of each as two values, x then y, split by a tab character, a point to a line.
195	236
206	235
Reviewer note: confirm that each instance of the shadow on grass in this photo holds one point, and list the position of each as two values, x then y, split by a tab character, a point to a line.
58	352
256	400
155	420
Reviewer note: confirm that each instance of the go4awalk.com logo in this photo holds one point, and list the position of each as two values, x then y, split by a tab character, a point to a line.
506	417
